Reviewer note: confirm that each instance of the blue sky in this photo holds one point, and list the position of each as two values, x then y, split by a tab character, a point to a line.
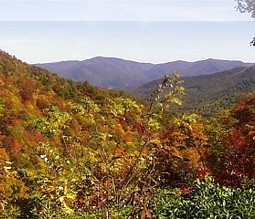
147	31
120	10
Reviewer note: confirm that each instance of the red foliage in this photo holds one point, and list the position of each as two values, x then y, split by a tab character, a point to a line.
236	141
236	161
186	190
27	87
233	159
167	133
140	128
203	172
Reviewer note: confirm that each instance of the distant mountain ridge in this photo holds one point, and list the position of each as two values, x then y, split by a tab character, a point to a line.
100	71
120	73
209	93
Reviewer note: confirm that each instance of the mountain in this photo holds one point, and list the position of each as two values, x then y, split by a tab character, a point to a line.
119	73
106	72
209	93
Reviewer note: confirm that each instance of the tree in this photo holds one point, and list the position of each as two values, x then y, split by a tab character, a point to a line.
247	6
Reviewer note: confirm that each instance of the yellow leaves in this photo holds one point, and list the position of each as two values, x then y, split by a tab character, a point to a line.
67	197
11	187
119	128
186	120
168	92
66	208
154	122
122	105
89	156
42	102
1	82
156	141
191	130
194	157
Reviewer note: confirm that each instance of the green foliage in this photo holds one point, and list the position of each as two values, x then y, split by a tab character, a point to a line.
54	124
85	105
205	199
207	95
171	90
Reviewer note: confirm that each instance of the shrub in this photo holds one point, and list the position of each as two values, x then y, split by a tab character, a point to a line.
206	199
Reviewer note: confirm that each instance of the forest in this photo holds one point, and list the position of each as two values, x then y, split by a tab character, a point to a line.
72	150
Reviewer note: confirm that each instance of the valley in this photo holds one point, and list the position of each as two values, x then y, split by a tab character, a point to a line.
208	94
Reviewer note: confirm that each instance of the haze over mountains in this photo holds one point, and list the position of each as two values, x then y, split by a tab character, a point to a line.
209	93
120	73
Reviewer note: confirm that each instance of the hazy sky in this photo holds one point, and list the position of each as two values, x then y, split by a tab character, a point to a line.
148	31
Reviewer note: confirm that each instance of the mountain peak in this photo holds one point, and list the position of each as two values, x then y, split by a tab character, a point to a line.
116	72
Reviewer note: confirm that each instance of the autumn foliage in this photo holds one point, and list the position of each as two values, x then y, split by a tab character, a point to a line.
70	150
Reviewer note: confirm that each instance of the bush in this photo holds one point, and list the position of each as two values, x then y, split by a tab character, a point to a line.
205	199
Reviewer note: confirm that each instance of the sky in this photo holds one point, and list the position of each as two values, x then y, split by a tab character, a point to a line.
140	30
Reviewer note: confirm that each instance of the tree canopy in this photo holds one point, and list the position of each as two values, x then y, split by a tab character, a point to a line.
246	6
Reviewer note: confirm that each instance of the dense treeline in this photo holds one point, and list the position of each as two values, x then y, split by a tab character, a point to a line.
70	150
209	94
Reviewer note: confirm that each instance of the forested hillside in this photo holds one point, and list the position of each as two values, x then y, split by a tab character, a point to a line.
120	73
208	94
71	150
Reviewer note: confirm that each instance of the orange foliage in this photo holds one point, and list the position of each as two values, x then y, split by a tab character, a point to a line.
3	154
1	92
34	137
56	142
120	150
128	138
11	144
